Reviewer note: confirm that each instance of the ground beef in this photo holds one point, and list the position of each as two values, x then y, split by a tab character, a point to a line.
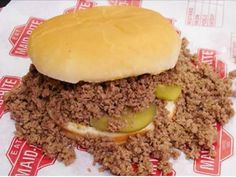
34	125
41	103
83	101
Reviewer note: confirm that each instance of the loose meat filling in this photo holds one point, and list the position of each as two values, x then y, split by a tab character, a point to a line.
80	102
40	104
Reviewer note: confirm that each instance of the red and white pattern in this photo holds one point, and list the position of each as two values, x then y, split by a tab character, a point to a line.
224	143
136	3
26	160
210	57
157	172
7	83
233	46
81	4
224	149
19	37
206	13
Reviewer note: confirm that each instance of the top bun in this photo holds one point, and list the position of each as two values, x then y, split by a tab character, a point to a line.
104	43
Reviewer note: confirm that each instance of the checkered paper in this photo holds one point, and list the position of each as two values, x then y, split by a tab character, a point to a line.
210	27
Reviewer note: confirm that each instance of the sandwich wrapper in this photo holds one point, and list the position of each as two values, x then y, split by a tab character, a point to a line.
210	27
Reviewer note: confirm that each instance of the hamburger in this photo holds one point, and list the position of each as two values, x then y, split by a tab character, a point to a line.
119	81
105	44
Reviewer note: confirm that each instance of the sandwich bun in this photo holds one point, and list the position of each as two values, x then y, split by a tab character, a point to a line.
74	131
104	43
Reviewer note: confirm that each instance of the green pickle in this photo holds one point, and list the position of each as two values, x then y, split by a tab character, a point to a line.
100	124
134	121
168	92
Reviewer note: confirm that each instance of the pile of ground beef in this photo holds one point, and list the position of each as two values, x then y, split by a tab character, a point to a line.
83	101
40	104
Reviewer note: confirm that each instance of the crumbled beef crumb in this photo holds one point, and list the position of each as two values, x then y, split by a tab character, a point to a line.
232	74
40	104
234	93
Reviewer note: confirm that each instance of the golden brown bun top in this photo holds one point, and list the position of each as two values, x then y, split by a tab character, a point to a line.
104	43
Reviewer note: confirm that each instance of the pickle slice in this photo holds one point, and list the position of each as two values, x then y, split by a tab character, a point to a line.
134	121
100	124
168	92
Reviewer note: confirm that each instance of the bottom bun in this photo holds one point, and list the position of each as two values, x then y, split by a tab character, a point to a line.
75	131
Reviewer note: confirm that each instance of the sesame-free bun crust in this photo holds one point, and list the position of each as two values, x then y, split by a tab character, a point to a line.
104	43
